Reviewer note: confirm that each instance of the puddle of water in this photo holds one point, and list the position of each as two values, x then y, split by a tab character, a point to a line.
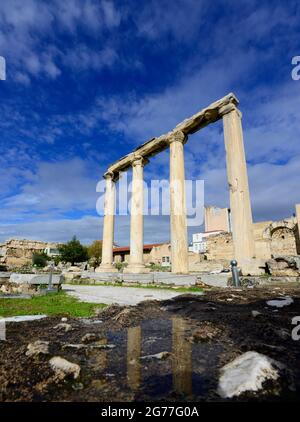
137	364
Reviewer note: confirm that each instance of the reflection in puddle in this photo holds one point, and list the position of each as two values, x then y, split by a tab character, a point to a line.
134	336
182	358
157	359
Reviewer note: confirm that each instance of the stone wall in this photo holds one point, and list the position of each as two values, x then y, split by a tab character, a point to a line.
272	238
216	219
220	246
15	252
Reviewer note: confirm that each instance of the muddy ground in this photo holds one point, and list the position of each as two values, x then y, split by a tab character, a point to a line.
197	335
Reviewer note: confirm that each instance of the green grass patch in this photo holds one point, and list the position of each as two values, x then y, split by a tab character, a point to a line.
54	304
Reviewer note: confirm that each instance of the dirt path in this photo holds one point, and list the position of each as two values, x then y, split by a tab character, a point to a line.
120	295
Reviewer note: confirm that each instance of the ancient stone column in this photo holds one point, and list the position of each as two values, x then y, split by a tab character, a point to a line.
240	206
179	242
108	224
136	258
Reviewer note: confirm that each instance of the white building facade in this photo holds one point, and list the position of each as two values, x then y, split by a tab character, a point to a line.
199	242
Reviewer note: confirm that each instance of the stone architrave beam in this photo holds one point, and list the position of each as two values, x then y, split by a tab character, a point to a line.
191	125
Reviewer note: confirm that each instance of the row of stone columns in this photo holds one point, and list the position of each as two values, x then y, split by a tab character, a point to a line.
239	202
179	242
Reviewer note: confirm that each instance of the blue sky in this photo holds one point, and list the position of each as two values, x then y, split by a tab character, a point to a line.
89	80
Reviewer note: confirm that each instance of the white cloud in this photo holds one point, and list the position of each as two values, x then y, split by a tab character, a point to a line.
87	229
24	25
179	18
53	188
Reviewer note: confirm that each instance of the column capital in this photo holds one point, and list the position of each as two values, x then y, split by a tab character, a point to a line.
177	136
139	160
228	108
110	175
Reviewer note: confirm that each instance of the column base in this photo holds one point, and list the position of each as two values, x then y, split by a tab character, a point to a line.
136	269
181	270
106	268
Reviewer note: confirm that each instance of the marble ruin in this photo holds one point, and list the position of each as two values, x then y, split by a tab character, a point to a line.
241	216
19	252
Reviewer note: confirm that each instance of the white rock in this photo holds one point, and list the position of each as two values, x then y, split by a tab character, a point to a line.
23	318
64	319
255	313
62	326
63	367
38	347
280	303
161	355
246	373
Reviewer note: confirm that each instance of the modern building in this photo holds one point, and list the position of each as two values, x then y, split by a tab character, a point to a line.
199	242
51	251
216	221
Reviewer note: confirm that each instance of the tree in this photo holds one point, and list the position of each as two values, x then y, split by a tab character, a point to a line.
73	251
40	259
95	252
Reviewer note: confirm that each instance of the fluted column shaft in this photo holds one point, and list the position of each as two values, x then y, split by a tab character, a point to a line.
179	242
108	224
240	206
136	258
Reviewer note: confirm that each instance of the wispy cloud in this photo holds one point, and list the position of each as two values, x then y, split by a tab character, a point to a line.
30	30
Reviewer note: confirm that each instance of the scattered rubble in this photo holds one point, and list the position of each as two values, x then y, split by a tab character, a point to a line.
63	327
89	338
64	368
284	265
159	356
37	348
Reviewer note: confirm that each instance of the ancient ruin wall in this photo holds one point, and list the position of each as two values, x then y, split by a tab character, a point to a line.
17	252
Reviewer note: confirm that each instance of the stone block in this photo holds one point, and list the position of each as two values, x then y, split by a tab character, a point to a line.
138	278
34	278
215	280
176	279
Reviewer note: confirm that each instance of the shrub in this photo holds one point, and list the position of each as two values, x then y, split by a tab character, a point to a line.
40	259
